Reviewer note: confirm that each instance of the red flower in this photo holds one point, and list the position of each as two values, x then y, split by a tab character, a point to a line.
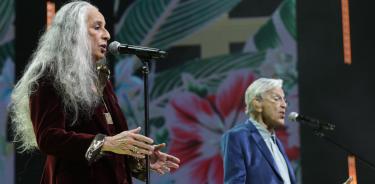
291	151
196	125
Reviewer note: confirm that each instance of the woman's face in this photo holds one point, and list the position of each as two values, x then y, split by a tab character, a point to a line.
99	36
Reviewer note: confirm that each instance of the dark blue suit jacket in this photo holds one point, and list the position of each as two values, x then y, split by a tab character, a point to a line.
247	158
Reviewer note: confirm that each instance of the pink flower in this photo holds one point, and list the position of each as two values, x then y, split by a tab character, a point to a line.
196	125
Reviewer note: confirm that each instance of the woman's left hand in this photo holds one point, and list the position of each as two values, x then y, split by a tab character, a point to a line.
162	162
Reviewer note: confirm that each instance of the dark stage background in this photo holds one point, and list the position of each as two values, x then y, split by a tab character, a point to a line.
331	90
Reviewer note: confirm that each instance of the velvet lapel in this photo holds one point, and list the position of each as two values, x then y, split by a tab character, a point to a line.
101	118
263	147
114	108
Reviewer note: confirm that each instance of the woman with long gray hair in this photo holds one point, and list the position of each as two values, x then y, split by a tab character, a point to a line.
65	106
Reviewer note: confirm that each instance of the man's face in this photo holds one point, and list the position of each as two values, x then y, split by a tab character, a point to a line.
273	107
99	36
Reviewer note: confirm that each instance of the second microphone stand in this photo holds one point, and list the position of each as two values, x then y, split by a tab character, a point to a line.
318	131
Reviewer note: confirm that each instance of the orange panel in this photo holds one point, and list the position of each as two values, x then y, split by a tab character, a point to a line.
346	31
50	12
352	169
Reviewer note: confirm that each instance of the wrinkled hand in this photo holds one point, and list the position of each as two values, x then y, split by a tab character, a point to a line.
162	162
129	143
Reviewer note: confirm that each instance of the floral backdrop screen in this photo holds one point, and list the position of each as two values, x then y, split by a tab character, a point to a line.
7	72
216	49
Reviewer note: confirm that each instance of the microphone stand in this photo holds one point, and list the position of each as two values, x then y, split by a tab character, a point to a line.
145	55
146	58
319	132
145	72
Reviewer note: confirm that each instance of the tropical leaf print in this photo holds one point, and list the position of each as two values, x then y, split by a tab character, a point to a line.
6	18
6	51
209	72
288	17
160	23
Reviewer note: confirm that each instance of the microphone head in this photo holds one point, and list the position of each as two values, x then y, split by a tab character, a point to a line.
113	47
293	116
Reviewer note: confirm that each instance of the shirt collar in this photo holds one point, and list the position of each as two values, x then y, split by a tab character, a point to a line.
263	130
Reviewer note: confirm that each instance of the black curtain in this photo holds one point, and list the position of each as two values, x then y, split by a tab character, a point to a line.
30	23
333	91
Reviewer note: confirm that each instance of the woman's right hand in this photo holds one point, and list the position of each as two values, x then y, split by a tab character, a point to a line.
129	143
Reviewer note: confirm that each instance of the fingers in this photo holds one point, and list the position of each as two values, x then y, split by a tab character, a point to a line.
133	138
161	168
125	136
164	162
173	159
159	146
160	171
138	145
172	162
138	150
131	143
135	130
165	168
136	154
135	134
168	157
143	146
142	138
172	165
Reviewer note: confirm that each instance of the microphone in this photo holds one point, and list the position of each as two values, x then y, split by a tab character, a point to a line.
293	116
142	52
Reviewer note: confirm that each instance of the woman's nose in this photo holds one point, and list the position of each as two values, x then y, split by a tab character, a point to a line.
106	36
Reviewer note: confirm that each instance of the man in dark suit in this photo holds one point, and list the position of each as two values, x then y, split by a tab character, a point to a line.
251	151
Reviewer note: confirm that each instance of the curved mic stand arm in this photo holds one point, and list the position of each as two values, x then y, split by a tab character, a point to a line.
319	132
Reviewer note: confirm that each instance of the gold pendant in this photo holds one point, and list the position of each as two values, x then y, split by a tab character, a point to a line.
108	118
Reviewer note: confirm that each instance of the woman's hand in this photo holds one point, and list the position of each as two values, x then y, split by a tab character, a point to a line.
162	162
129	143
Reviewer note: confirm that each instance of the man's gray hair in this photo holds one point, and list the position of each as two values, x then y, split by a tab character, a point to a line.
63	52
257	88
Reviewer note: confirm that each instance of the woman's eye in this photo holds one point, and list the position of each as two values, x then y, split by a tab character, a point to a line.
96	27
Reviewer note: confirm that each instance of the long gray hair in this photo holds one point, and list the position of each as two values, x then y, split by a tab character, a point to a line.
64	51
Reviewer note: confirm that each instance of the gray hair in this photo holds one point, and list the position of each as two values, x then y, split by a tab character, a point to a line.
64	52
257	88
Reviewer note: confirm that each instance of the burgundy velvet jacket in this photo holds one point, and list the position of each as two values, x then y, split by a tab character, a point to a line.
65	146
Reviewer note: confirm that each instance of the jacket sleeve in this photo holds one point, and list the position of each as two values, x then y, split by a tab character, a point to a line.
233	157
48	118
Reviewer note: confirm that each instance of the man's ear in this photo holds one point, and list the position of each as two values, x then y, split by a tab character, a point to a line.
258	106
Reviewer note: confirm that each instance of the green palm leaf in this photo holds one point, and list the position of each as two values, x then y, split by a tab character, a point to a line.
288	16
209	71
7	13
160	23
267	37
